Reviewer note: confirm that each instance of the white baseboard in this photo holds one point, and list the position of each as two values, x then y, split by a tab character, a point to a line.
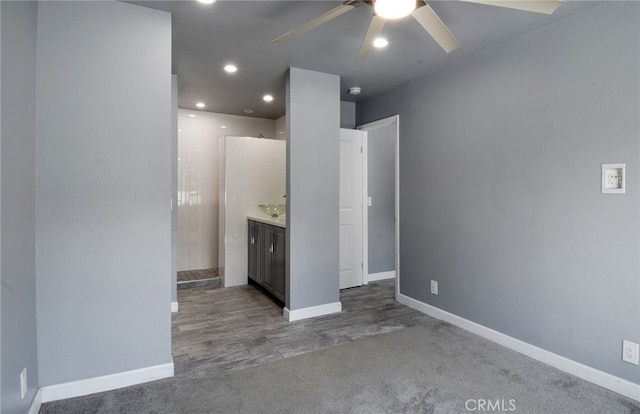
105	383
36	403
374	277
174	307
601	378
312	311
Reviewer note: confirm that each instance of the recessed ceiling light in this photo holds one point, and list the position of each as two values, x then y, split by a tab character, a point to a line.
206	1
223	126
248	111
192	116
200	105
380	42
231	68
267	98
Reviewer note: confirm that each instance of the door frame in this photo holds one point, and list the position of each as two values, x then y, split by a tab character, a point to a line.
370	126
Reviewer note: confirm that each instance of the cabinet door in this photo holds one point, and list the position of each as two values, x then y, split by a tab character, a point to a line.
278	262
255	251
268	248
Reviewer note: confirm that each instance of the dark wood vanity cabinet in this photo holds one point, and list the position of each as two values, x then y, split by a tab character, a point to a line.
267	257
275	259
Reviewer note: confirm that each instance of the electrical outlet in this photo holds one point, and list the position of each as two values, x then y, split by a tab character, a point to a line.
630	352
23	383
434	287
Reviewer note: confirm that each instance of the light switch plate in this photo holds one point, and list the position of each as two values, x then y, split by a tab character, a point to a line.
613	178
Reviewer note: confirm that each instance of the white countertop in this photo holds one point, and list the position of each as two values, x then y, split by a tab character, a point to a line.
278	222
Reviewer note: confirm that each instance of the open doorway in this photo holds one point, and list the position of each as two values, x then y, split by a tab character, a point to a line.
381	216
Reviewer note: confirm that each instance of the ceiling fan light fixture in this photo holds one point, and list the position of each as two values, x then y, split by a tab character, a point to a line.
394	9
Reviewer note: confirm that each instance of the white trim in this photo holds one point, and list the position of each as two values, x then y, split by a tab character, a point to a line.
379	276
105	383
394	119
365	207
36	403
174	307
312	311
603	379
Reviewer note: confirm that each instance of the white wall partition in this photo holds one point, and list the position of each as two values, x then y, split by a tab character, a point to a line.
198	180
255	173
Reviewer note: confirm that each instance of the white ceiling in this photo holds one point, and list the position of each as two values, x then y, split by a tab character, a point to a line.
206	37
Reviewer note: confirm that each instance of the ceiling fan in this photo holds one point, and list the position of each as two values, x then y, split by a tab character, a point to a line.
419	10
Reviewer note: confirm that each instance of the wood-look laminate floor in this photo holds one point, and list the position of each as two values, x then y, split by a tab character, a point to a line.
224	329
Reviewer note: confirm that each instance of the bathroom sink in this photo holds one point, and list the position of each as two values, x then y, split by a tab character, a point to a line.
273	210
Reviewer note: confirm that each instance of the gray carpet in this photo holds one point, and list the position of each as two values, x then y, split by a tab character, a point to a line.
436	368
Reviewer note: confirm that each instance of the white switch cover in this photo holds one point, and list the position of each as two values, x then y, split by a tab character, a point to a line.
369	201
613	178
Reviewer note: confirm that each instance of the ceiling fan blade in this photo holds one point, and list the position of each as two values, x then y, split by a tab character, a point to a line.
330	15
536	6
434	26
374	30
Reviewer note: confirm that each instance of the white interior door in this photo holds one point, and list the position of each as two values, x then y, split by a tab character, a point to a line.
351	205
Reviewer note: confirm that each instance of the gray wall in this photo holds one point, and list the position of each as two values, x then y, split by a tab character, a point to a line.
347	114
313	137
0	212
381	160
500	187
104	185
18	235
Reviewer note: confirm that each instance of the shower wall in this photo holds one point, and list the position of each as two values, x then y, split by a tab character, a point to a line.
281	128
198	180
